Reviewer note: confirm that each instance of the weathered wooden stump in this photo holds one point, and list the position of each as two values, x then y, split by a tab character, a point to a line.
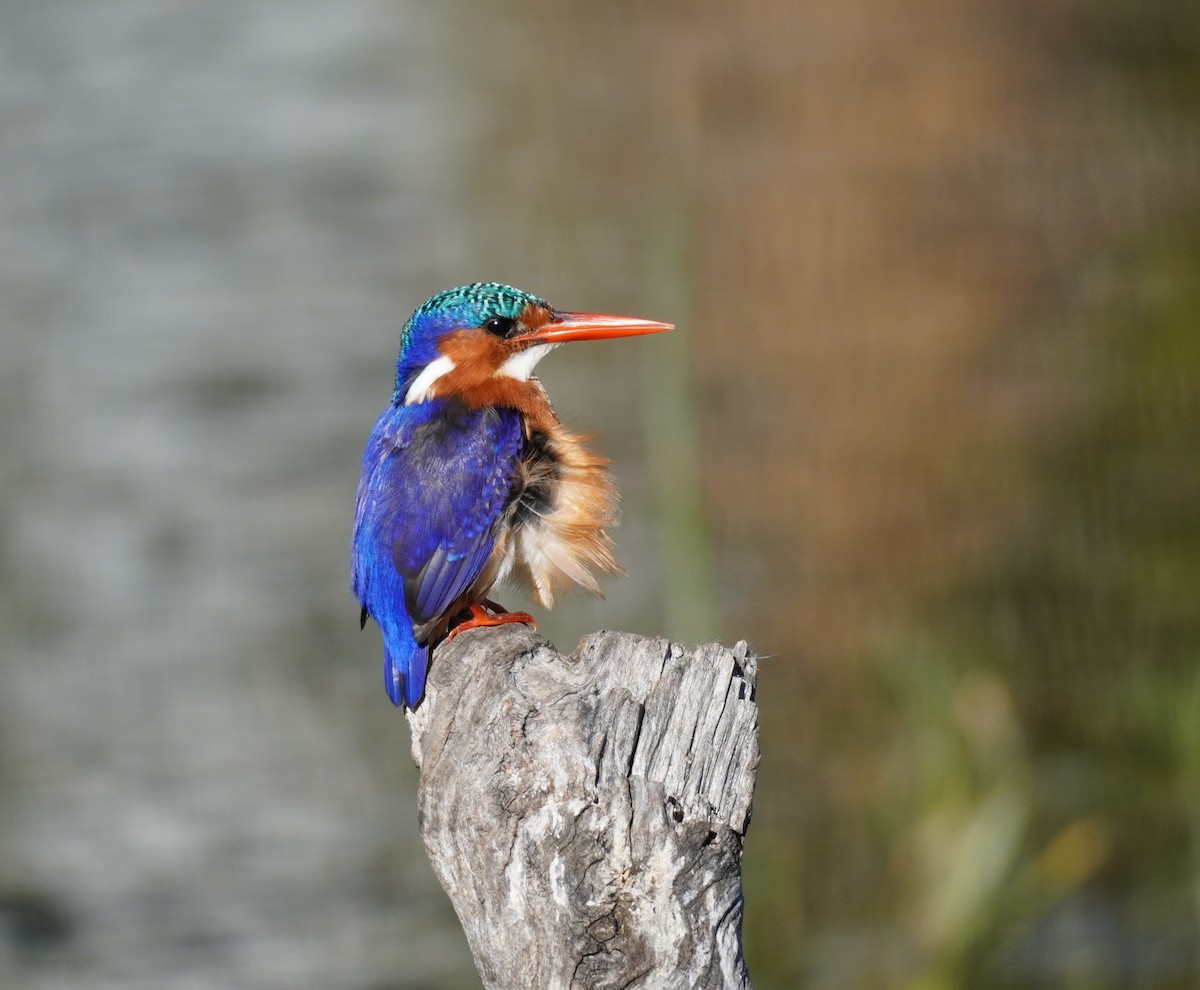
586	813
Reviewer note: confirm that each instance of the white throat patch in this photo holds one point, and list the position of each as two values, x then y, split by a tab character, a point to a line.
418	391
520	365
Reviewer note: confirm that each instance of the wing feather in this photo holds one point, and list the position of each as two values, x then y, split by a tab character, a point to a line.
442	483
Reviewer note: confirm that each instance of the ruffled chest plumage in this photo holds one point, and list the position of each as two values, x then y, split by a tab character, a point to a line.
556	537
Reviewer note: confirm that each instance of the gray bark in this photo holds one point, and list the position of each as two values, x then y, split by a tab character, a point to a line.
586	813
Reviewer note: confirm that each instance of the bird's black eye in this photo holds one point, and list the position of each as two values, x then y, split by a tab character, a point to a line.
499	326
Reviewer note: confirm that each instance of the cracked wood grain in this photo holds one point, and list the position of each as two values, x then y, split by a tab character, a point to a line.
586	813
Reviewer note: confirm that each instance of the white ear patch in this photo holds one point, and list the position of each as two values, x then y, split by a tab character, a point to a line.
418	391
520	365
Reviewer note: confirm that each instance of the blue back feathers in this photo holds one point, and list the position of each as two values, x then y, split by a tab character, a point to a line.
434	487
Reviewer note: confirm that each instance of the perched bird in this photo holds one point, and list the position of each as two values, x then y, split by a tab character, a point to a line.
469	478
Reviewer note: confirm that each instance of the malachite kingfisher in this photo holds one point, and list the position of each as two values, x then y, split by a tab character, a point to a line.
469	478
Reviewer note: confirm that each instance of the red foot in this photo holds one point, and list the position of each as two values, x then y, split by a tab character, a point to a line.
480	616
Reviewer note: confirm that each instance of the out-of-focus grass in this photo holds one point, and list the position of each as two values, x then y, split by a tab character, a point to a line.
673	448
1027	751
1045	769
1033	789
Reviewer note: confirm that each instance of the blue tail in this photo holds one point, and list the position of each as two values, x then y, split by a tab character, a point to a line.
404	677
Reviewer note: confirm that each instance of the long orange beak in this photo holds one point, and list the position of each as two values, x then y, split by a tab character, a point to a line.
592	326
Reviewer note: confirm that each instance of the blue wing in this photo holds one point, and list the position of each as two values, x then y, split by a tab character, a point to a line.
436	481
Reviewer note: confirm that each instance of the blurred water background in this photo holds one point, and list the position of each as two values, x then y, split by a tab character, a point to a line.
928	436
